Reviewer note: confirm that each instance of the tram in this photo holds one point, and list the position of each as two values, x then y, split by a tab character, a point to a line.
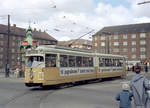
53	65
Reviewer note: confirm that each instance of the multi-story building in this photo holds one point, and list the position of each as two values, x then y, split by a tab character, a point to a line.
132	41
17	35
77	43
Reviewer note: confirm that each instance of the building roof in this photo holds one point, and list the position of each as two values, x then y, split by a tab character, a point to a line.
125	29
22	32
75	42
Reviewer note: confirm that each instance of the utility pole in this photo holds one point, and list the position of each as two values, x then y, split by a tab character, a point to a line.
69	45
7	51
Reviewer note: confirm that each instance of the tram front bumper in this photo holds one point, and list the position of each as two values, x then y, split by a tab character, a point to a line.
31	84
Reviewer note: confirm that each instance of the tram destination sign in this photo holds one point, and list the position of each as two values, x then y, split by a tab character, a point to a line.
75	71
32	52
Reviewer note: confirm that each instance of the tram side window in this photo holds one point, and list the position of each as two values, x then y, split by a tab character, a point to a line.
63	60
108	62
120	63
72	61
85	61
79	61
50	60
117	62
90	62
101	62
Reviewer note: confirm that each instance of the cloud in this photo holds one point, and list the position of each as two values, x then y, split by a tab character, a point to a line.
72	18
113	15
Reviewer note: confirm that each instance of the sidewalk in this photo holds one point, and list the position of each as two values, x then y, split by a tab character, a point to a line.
11	78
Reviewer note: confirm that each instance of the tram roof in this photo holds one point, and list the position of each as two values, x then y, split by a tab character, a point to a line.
55	48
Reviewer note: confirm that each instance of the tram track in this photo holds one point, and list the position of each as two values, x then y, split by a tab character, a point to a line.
30	97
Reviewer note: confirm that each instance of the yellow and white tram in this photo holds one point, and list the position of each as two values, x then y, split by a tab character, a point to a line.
54	65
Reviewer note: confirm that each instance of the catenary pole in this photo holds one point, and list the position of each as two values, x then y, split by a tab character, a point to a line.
7	50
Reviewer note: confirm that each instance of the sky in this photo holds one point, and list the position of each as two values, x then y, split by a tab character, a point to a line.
71	19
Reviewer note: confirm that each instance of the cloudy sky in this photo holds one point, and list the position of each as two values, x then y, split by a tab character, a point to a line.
70	19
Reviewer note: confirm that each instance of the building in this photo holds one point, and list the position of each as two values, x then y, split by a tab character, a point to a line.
17	35
77	43
131	40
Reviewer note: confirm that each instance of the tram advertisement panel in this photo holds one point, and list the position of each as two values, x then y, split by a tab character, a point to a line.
76	71
110	69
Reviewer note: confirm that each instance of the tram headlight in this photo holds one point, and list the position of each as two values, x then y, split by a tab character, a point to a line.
31	73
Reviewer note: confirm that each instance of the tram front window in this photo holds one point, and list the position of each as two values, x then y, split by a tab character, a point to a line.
35	61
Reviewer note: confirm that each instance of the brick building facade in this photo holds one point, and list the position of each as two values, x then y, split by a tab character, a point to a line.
17	35
132	41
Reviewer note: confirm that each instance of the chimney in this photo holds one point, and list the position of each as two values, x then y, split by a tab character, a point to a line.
34	29
14	25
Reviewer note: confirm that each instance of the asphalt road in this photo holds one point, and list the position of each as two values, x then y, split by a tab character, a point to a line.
102	94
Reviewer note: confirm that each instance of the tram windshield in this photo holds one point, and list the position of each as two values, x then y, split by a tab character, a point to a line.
35	61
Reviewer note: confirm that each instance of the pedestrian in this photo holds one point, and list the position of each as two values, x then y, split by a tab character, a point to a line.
139	84
124	96
146	68
133	67
17	73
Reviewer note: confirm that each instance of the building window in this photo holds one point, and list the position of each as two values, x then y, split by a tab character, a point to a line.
13	57
14	38
142	42
103	50
125	43
18	50
1	64
143	56
13	62
143	49
133	49
13	43
1	43
95	38
125	49
12	50
133	56
96	44
1	56
133	42
142	35
102	43
116	50
1	49
19	38
116	43
133	36
1	36
125	36
103	37
115	36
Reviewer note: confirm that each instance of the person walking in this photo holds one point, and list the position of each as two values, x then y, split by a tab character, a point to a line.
124	96
146	68
138	85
